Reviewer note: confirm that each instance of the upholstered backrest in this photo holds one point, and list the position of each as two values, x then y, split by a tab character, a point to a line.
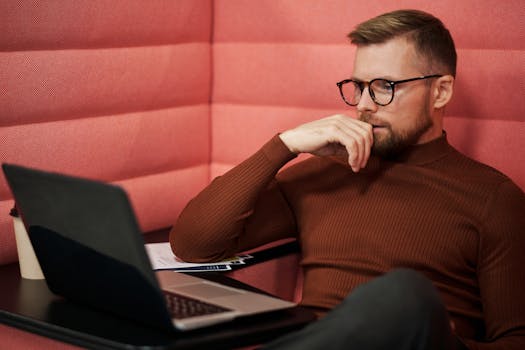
276	64
112	90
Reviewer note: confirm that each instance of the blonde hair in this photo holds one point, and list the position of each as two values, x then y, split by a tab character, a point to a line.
431	39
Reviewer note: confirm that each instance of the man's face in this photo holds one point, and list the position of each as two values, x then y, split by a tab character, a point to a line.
408	119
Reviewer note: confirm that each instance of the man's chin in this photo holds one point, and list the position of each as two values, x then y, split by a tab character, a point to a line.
387	147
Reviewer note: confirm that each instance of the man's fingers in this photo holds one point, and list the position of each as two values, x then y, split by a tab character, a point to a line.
358	140
321	136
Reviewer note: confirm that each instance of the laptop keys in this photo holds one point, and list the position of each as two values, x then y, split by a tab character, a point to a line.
184	307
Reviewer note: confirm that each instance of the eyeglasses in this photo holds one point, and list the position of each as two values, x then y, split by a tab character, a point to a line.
381	90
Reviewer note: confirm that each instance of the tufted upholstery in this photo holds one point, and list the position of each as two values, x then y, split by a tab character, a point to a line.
160	96
113	90
276	63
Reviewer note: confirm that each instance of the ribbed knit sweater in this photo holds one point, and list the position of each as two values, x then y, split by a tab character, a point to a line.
459	222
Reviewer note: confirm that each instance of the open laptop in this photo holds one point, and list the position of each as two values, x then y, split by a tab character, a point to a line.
88	243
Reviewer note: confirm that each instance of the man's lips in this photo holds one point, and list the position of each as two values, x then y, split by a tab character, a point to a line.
378	126
380	129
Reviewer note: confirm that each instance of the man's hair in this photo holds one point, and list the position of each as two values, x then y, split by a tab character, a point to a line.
431	39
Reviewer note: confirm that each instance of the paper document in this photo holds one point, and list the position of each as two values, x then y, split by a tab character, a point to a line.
162	258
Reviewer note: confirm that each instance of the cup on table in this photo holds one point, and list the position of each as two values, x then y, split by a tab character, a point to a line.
29	266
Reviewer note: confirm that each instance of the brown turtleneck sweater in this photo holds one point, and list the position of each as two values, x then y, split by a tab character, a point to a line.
432	209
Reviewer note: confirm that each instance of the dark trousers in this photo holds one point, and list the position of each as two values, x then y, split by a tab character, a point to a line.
398	311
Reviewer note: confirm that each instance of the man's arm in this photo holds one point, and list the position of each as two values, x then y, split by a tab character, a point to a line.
244	208
239	210
501	271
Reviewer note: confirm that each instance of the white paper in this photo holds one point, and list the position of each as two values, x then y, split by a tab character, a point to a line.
162	258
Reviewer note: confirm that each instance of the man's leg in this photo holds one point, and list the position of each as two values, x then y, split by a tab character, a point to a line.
400	310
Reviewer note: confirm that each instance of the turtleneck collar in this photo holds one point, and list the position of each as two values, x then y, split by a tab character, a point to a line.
424	153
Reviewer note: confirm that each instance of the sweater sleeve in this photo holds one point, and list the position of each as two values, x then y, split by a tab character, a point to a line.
501	271
239	210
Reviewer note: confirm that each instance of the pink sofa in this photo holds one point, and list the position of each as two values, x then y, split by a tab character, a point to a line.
161	96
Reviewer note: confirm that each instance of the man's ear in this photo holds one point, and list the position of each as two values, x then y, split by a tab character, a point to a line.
443	90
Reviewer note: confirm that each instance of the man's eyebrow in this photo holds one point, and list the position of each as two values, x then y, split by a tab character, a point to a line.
389	77
386	77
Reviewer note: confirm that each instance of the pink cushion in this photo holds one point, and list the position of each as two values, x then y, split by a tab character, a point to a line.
121	98
276	64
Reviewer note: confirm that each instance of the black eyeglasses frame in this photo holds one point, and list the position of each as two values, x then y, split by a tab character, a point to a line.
392	83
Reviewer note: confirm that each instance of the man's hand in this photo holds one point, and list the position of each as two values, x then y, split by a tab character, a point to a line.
334	135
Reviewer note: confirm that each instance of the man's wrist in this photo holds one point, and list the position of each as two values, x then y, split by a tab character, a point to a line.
277	151
285	140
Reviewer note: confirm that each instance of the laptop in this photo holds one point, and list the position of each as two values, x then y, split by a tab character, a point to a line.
89	245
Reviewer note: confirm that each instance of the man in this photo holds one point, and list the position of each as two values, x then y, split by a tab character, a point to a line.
384	196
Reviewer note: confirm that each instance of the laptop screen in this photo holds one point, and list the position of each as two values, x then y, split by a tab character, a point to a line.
88	243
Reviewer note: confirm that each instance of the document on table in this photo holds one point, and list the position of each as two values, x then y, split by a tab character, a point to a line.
162	258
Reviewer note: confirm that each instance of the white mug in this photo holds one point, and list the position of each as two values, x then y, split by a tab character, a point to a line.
29	266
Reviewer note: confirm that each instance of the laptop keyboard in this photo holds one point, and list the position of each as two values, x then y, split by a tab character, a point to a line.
181	306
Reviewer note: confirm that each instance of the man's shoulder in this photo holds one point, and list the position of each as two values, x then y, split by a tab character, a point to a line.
473	170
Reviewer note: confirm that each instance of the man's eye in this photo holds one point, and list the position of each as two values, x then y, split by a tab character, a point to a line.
385	85
382	86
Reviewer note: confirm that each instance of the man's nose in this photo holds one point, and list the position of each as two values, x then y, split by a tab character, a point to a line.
366	103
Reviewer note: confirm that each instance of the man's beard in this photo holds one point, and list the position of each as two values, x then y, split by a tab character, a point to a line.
393	143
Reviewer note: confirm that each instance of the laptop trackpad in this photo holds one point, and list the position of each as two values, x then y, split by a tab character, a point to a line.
205	290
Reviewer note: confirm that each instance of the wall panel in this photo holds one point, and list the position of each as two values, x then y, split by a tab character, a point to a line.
276	64
115	90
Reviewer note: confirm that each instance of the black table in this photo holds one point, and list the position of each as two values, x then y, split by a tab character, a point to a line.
29	305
